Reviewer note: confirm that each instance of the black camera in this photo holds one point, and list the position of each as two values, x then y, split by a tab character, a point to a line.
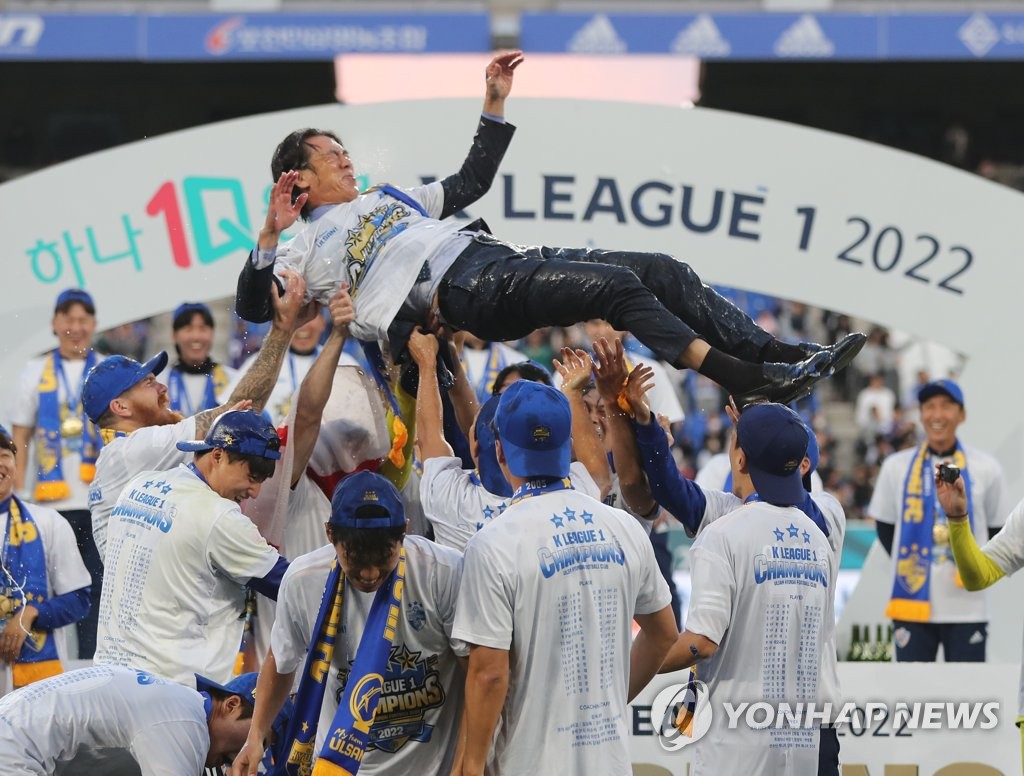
948	473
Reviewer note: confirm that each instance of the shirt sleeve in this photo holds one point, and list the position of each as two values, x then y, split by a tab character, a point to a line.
713	586
447	579
680	496
443	488
289	637
485	609
1006	548
883	500
653	594
25	405
172	748
582	481
236	548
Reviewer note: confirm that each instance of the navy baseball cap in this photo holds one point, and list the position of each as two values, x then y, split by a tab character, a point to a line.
367	500
244	685
938	387
183	314
74	295
239	431
534	424
112	377
487	459
774	440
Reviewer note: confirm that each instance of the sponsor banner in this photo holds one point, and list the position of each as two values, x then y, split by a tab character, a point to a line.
200	37
751	203
893	716
318	37
771	36
69	36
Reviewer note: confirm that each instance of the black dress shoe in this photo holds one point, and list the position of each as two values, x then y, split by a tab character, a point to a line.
785	383
844	351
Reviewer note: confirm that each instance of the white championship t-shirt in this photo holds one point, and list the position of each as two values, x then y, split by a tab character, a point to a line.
714	474
417	720
178	559
457	506
147	449
557	582
25	412
762	580
379	245
720	504
163	725
950	602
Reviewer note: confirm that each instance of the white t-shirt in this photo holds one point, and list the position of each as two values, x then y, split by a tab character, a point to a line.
457	507
556	582
195	389
418	717
379	245
146	449
720	504
716	470
1006	549
178	559
162	724
65	571
25	412
762	580
950	602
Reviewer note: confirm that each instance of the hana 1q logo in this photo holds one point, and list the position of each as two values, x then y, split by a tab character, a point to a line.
681	714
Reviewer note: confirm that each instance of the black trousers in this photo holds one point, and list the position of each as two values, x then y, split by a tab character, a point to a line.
81	524
500	291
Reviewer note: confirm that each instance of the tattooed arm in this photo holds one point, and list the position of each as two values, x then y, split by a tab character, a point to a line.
256	385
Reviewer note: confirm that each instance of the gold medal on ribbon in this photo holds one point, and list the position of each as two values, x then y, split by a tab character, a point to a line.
940	534
71	427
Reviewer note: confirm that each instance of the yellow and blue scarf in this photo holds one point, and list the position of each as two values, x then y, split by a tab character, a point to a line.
346	745
177	391
51	484
496	361
23	581
911	597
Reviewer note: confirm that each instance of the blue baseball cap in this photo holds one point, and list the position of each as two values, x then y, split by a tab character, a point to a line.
367	500
74	295
112	377
774	440
183	314
239	431
487	459
244	685
534	426
813	451
938	387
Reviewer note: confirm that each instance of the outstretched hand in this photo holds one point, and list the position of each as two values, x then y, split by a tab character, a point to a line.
498	75
952	496
639	382
282	211
575	368
610	372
